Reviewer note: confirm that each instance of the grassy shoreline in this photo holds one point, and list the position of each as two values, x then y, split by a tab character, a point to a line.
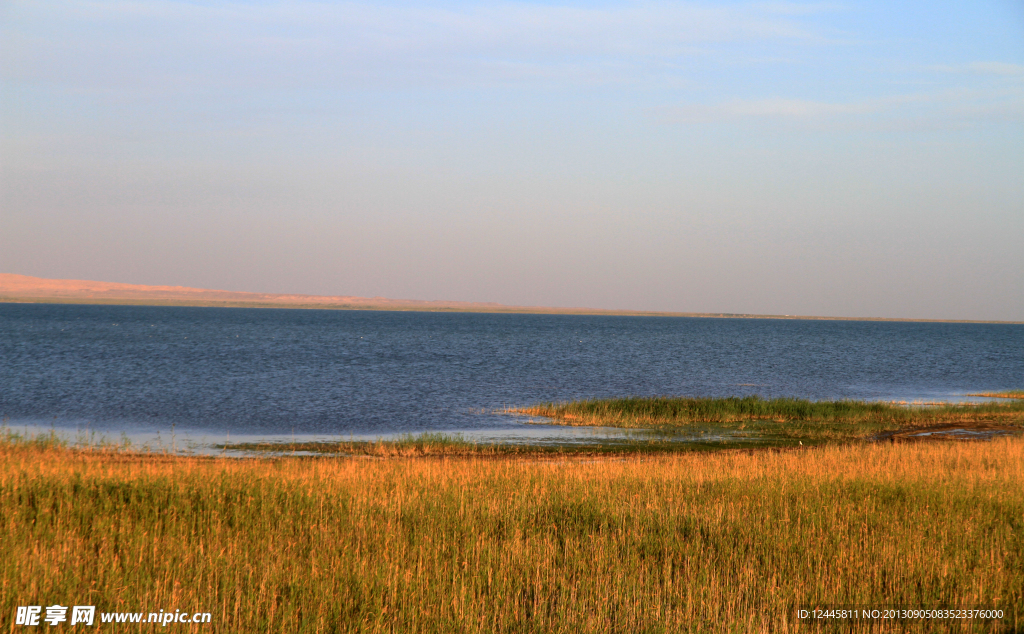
443	446
780	420
456	308
720	542
431	445
679	411
669	425
1003	394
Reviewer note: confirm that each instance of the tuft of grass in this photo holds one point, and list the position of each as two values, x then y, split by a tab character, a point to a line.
46	440
696	542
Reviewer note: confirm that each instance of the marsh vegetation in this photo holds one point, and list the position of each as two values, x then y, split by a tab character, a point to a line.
1003	394
709	542
779	421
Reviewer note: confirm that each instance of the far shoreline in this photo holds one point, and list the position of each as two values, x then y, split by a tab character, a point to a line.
25	289
431	307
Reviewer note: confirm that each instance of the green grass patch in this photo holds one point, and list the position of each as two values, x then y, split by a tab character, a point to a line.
1003	394
773	420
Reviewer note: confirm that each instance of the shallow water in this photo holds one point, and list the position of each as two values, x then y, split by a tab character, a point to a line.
210	373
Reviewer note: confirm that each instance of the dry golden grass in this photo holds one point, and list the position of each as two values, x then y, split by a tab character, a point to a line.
726	542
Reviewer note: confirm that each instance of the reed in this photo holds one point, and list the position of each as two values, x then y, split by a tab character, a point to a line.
708	542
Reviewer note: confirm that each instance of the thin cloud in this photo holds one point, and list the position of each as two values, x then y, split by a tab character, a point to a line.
984	68
951	108
799	8
778	108
160	43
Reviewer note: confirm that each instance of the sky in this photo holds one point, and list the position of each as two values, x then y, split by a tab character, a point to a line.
844	159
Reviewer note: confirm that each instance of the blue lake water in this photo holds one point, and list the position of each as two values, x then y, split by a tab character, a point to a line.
323	373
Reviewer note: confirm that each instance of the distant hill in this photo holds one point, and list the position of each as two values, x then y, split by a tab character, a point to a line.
25	289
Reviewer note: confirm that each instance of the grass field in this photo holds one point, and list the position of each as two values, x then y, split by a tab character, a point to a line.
693	542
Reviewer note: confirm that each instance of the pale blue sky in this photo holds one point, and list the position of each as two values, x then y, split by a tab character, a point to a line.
849	159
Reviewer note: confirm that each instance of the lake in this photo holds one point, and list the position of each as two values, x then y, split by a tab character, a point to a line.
271	373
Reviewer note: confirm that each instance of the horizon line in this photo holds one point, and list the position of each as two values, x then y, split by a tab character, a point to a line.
25	289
